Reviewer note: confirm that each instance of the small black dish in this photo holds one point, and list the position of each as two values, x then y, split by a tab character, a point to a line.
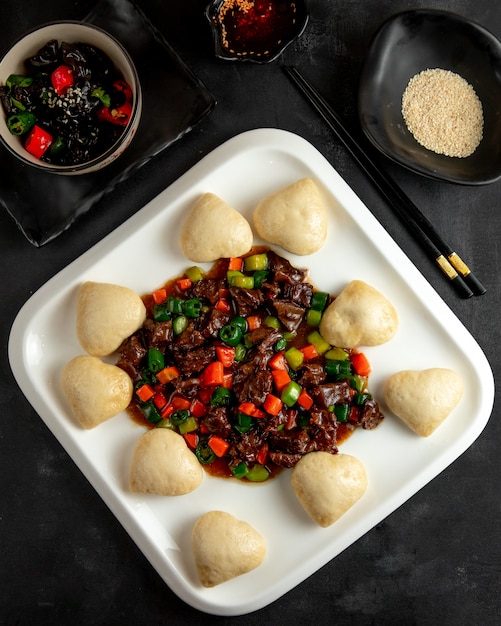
409	43
256	31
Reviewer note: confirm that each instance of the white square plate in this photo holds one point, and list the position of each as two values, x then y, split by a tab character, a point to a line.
142	254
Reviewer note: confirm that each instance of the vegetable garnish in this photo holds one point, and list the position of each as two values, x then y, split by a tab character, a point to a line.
253	383
70	107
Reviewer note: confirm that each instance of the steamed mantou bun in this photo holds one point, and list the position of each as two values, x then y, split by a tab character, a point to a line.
359	316
95	390
106	315
213	230
225	547
327	485
294	218
162	464
422	399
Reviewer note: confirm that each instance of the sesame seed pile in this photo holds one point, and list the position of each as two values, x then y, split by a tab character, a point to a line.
443	113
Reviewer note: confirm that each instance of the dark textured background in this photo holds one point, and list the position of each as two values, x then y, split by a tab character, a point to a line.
64	558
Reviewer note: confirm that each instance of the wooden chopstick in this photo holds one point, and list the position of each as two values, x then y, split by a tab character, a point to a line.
453	267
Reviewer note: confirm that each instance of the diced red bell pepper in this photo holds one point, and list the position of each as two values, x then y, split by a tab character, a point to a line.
124	88
212	375
262	455
62	79
360	364
118	115
183	284
272	404
191	439
38	141
225	354
167	374
159	296
218	445
145	392
305	400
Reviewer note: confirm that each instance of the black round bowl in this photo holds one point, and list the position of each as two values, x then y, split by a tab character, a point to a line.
409	43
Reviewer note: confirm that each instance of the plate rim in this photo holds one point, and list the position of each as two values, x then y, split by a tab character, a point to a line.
254	139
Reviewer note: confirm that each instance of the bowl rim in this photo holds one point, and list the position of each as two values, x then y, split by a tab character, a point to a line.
222	53
453	18
87	166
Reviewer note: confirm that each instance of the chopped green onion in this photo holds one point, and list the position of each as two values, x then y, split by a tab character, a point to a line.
313	317
260	277
257	473
336	354
280	345
319	300
256	262
180	417
188	426
240	470
240	352
244	282
204	452
318	341
180	324
342	411
290	393
294	357
161	312
360	398
150	413
156	361
192	307
220	397
232	274
231	334
338	368
272	322
194	273
241	322
244	422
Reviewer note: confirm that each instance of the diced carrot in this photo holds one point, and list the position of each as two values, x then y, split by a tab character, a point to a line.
203	428
168	374
222	305
225	354
212	375
218	445
309	352
227	380
305	400
281	378
262	455
191	439
360	364
197	408
180	403
235	263
167	411
159	296
183	284
253	322
145	392
272	404
278	362
159	400
249	408
205	395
